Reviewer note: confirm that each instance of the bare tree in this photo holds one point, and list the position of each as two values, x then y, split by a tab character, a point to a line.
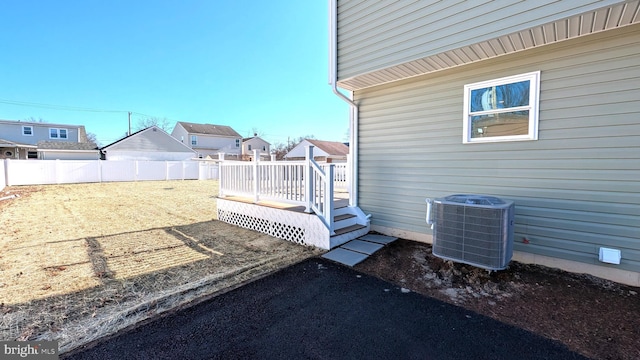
91	137
33	119
162	123
256	132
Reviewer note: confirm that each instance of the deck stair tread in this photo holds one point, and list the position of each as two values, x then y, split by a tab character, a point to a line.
356	251
349	229
343	217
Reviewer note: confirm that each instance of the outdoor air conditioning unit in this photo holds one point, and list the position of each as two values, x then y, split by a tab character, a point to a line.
472	229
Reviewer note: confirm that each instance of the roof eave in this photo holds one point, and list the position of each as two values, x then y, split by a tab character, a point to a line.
503	45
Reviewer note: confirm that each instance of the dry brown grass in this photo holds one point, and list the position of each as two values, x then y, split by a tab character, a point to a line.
81	261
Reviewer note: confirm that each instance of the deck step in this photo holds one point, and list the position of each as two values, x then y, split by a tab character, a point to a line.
348	229
343	217
358	250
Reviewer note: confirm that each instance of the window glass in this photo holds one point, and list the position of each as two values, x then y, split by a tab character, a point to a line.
503	109
194	140
27	130
53	133
63	133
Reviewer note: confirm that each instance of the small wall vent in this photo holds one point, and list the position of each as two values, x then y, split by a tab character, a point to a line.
472	229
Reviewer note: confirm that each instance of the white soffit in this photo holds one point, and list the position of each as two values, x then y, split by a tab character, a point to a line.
607	18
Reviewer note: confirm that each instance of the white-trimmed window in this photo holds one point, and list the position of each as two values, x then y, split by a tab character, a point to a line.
237	143
55	133
504	109
194	140
27	130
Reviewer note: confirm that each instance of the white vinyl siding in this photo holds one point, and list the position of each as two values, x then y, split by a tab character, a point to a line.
373	35
575	189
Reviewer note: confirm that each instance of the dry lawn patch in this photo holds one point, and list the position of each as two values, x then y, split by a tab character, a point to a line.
81	261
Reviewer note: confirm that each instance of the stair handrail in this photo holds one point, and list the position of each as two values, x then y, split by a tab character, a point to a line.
319	200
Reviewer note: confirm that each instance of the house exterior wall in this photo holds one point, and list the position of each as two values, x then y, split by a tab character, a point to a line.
12	131
256	144
148	155
149	144
208	144
69	155
180	134
375	35
220	144
575	189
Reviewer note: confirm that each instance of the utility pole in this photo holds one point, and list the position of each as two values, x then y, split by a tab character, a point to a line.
129	133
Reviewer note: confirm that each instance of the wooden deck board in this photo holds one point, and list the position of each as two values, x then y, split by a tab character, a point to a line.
338	203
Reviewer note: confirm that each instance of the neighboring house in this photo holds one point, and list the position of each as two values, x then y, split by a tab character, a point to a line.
16	150
151	143
535	102
329	151
255	143
209	139
45	141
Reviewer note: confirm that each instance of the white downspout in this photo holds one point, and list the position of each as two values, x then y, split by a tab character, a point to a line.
353	107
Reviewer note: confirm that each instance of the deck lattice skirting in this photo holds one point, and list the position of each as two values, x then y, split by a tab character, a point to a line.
300	228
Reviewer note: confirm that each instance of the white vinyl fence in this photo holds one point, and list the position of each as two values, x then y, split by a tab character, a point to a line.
3	176
40	172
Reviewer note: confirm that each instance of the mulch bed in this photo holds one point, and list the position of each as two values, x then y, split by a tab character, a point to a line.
594	317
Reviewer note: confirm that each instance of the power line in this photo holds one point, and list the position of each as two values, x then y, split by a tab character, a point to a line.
57	107
74	108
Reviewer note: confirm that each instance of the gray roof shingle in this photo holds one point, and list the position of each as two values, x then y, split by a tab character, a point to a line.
66	145
209	129
8	143
333	148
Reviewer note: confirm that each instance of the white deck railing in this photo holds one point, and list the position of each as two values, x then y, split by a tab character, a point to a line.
304	183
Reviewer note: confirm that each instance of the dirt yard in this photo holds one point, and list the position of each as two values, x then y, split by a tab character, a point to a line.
594	317
78	262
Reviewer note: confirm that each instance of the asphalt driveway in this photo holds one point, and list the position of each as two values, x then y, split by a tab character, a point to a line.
320	310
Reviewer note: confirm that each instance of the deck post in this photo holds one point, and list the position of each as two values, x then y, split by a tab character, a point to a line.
221	179
328	198
308	179
256	178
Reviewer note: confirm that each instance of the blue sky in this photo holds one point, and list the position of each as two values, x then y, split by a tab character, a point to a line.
249	64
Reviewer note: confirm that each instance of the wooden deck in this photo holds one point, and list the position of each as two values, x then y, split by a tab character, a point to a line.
339	202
